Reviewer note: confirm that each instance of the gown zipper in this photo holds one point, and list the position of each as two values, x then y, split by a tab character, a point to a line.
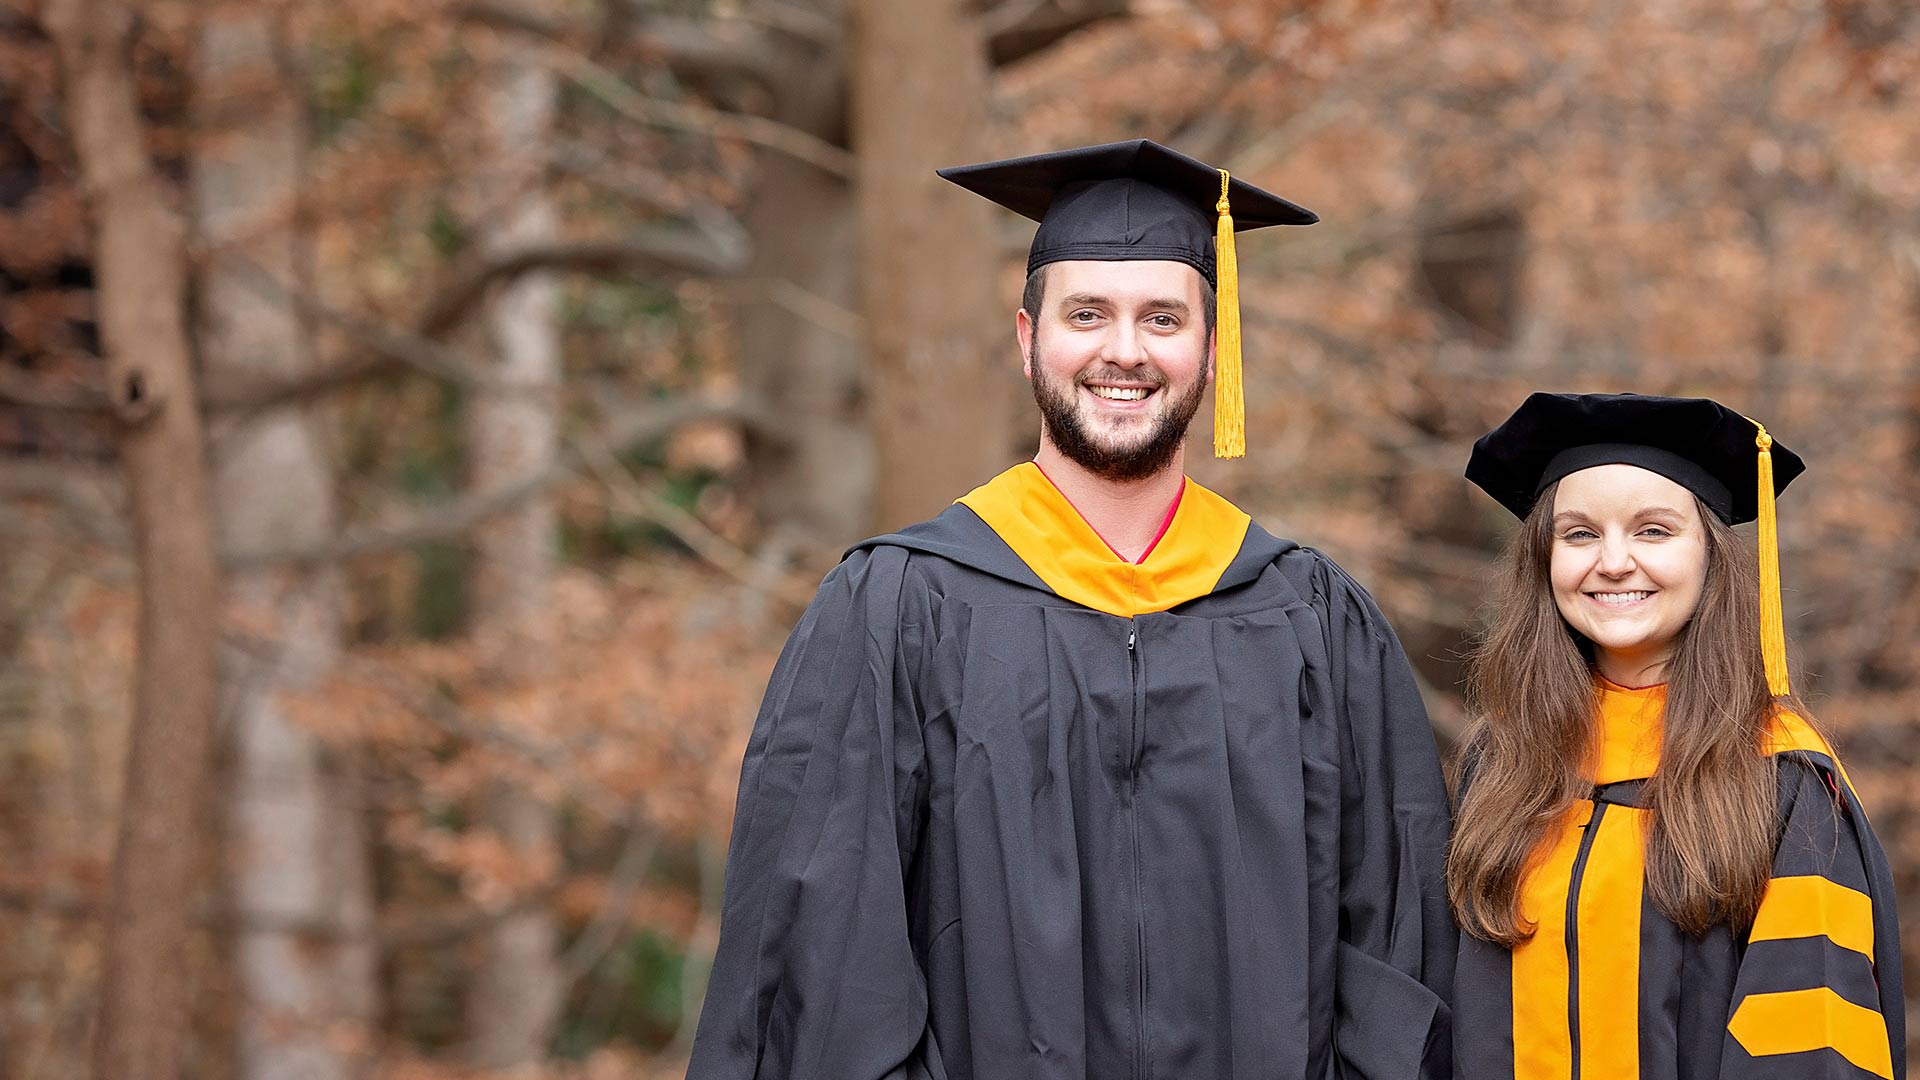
1573	932
1140	1066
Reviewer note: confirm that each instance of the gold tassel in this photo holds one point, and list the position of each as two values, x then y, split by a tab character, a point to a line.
1773	631
1229	399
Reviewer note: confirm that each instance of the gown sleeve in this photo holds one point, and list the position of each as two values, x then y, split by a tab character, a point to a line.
1394	972
814	975
1818	990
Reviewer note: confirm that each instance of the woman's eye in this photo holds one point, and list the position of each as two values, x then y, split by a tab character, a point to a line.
1655	531
1579	534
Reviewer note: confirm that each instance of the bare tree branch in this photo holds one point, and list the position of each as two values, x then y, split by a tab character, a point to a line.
629	872
797	300
392	351
1017	29
92	499
18	526
649	188
805	24
676	250
706	49
427	700
694	48
711	863
453	517
688	529
391	348
758	130
432	929
1009	14
264	394
450	926
1444	713
519	18
17	391
1277	142
50	902
715	244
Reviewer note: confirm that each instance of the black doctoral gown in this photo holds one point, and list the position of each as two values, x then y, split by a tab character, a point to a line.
1609	989
1014	807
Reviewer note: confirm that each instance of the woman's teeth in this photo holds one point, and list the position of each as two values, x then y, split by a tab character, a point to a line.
1120	393
1620	599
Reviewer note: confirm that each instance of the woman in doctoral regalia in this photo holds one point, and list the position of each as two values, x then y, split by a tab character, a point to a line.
1659	865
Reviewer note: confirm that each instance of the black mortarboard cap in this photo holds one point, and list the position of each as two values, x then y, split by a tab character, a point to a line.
1728	460
1138	200
1697	443
1123	201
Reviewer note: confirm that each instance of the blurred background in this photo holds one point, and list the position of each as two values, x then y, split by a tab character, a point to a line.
472	392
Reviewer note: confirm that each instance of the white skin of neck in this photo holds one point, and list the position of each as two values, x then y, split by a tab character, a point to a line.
1127	513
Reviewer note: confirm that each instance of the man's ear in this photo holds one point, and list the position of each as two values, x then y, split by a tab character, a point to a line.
1023	330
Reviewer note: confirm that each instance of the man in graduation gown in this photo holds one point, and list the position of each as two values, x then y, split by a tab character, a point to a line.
1089	776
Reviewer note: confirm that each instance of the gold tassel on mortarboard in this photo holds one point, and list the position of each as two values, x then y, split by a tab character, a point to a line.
1229	400
1773	630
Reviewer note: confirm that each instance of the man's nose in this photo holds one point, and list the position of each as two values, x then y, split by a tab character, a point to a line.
1127	346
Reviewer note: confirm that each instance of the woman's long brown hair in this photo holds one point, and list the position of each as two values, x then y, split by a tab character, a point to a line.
1534	699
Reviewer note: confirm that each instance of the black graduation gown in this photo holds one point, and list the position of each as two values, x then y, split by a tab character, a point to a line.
1611	990
987	832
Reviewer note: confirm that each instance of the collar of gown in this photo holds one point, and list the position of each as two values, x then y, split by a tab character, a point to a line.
1628	741
1199	540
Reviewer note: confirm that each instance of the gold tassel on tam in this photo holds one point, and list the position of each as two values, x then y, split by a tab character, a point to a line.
1229	399
1773	630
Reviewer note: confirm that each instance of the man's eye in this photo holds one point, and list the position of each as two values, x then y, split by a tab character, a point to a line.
1083	315
1164	322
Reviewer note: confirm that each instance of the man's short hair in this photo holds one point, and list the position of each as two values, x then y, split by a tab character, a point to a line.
1035	294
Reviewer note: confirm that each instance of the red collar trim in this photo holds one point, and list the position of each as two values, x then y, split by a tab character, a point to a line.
1154	543
1164	525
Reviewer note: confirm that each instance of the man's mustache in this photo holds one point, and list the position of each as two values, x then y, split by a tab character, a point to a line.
1120	375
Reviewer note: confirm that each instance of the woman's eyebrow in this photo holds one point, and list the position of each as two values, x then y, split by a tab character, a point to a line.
1645	511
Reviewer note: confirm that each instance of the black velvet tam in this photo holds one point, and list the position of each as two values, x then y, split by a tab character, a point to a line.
1697	443
1121	202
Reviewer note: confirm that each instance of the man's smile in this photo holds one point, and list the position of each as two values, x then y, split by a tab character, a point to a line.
1120	393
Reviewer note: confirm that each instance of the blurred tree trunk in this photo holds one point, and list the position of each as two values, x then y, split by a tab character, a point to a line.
846	444
512	432
140	265
942	369
812	466
296	850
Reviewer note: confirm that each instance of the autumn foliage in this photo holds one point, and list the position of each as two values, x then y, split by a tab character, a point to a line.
1714	198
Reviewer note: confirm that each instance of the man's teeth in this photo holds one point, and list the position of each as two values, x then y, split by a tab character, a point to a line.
1620	598
1120	393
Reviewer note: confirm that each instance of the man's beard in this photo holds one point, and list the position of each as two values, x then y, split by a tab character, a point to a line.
1068	432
